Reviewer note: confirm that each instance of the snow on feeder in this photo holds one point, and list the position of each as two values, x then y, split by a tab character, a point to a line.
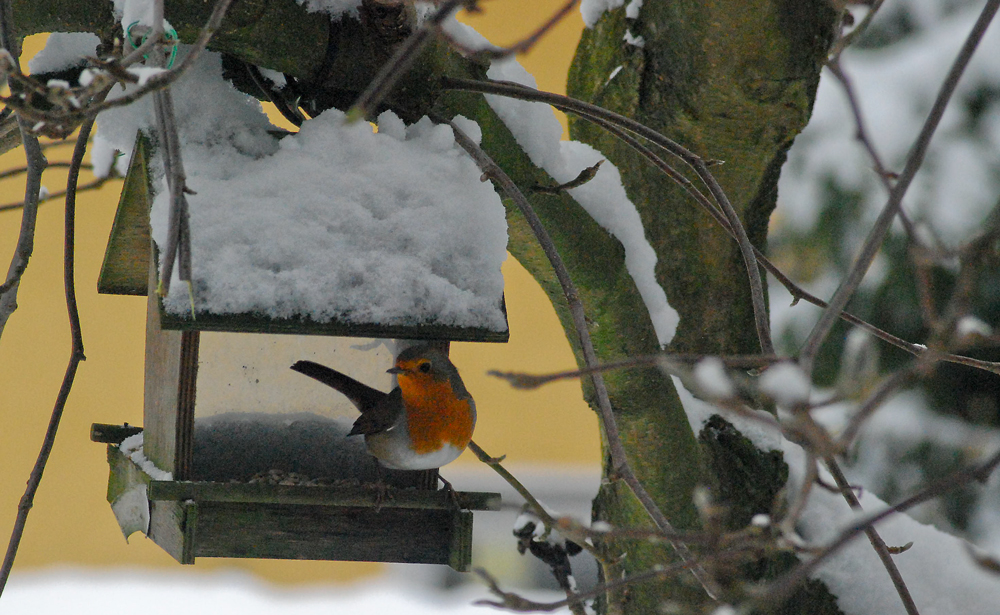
337	231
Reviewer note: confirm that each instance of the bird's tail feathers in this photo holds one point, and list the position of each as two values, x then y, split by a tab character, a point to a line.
361	395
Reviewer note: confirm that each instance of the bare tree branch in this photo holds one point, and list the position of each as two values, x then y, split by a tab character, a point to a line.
51	165
877	543
94	184
845	41
178	234
522	380
33	183
861	133
617	450
76	356
871	247
536	507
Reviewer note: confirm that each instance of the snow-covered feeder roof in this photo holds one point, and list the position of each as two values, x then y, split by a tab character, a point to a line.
337	230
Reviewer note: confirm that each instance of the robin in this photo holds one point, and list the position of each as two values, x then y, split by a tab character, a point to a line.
424	423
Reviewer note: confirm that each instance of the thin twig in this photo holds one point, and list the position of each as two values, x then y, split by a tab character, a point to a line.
798	504
555	554
619	460
519	604
887	387
76	355
536	507
861	134
522	46
845	41
874	241
173	164
52	165
521	380
94	184
762	318
877	543
582	178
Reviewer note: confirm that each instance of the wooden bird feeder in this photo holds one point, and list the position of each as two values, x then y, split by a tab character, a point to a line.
203	510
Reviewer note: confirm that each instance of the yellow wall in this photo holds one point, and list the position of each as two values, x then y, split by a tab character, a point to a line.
71	522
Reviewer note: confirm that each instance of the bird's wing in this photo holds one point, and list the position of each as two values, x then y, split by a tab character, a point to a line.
361	395
381	417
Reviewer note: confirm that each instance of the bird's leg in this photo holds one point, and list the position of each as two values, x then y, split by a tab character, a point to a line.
382	494
452	494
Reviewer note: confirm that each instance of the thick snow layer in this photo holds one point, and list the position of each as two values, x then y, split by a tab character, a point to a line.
335	222
64	50
538	132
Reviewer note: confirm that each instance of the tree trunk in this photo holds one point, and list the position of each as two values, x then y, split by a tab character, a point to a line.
732	81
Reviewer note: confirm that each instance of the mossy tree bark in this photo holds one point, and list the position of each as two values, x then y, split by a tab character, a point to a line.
732	81
729	79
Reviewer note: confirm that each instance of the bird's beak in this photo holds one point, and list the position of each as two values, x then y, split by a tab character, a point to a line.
395	370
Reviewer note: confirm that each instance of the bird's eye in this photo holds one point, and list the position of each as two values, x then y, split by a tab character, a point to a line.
425	367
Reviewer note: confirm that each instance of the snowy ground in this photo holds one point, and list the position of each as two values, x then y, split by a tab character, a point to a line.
88	592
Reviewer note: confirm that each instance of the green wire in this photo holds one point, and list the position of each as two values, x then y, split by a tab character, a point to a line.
171	36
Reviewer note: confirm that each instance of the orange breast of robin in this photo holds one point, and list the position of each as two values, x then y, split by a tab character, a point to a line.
434	415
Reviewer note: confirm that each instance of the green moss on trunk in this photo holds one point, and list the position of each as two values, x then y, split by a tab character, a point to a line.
732	81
